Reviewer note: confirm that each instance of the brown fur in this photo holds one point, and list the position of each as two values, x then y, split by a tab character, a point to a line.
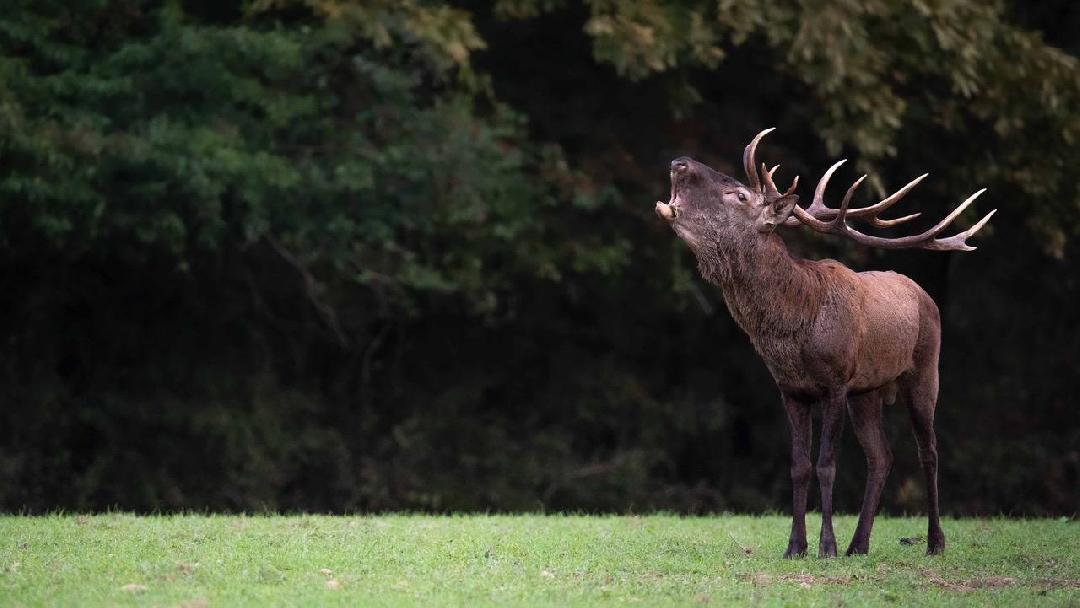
828	335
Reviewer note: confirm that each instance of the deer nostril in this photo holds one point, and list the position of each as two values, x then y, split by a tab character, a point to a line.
679	165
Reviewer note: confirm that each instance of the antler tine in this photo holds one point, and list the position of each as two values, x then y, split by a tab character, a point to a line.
843	211
819	192
957	242
817	206
748	160
768	186
880	223
794	184
938	227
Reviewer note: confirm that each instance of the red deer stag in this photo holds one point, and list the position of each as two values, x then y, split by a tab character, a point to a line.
827	334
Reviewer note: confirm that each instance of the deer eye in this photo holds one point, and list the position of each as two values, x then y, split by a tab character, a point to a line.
742	197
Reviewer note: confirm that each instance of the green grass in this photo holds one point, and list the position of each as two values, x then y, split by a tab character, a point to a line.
195	560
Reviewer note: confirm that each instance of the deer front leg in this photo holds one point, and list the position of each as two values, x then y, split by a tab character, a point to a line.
832	427
798	415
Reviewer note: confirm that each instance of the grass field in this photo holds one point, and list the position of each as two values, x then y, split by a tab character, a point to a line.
196	560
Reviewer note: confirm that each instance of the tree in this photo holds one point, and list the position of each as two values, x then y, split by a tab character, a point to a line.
334	255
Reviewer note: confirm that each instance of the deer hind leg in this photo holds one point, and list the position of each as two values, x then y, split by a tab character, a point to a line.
832	429
798	414
865	412
922	388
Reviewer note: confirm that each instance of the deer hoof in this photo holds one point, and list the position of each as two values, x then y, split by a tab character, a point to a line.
935	545
795	550
857	550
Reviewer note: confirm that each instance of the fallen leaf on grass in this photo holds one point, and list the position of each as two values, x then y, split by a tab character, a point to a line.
326	571
133	588
547	574
743	549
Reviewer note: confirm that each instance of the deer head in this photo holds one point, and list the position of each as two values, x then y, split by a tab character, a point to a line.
709	207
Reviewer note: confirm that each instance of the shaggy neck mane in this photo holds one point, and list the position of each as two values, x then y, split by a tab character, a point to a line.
770	294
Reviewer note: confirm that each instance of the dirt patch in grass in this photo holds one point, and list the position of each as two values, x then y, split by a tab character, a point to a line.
997	582
1058	583
133	588
972	584
761	579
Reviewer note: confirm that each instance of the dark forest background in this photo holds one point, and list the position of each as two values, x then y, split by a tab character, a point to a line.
351	256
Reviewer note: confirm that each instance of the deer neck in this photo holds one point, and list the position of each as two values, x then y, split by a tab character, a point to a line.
770	294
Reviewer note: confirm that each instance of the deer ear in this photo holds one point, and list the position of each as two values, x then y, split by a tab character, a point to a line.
776	212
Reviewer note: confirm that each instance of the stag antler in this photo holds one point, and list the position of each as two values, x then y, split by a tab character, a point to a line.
822	218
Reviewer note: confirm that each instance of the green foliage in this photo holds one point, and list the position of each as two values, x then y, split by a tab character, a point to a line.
441	37
193	136
333	255
864	65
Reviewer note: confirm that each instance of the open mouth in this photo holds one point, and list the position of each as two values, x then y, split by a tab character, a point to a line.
669	210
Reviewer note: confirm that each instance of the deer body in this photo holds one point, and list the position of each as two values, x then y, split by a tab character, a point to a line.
817	324
829	336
